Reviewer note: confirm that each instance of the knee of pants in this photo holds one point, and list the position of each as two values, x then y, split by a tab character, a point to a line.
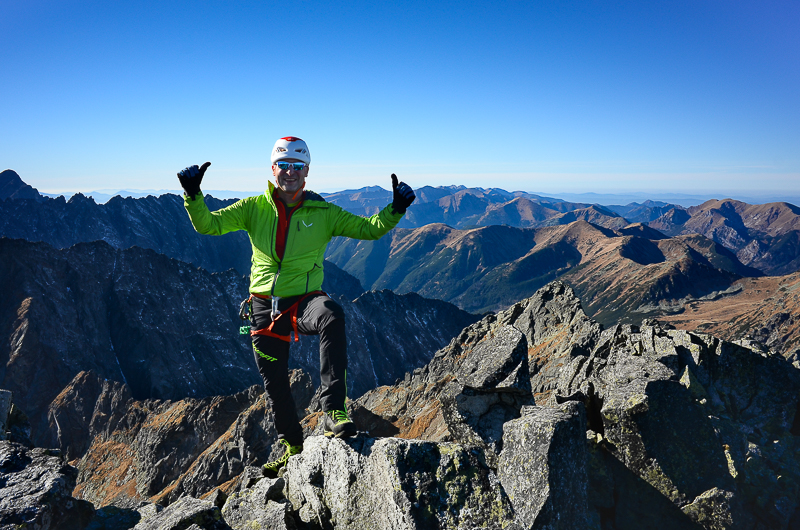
332	315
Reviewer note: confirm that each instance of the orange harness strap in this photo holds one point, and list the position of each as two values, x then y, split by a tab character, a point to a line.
291	311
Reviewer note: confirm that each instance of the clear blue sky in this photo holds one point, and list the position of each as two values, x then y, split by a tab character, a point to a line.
598	96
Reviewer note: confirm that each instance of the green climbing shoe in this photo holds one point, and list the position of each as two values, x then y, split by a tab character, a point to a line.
271	469
337	423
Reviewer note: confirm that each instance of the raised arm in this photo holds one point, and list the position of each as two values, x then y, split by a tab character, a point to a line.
216	223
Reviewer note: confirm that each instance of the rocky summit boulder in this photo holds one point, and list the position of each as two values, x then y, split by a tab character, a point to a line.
543	468
394	483
36	490
709	425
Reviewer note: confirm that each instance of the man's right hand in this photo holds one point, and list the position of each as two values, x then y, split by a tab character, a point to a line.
191	177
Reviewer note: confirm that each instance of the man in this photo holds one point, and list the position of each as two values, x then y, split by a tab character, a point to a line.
289	230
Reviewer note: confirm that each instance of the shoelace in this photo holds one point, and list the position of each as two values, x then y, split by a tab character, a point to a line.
291	450
339	416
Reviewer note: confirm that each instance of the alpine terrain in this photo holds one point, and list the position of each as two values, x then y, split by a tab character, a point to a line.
515	361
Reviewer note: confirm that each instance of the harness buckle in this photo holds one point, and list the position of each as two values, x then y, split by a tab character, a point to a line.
275	311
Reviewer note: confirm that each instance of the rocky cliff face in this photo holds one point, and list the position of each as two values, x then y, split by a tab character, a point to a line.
532	418
169	330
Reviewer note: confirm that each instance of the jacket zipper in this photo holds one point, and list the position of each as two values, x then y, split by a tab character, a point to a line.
285	244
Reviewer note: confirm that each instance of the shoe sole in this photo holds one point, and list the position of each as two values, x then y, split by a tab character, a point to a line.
343	434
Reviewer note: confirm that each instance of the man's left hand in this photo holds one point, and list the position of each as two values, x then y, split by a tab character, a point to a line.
403	195
191	177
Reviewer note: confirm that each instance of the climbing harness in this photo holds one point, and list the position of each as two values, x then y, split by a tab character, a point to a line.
246	313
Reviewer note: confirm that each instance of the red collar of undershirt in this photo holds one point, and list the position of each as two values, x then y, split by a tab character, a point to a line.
283	223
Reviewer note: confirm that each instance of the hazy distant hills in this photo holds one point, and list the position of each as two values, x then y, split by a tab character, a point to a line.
462	207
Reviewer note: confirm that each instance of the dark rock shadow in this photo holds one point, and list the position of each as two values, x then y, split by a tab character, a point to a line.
626	502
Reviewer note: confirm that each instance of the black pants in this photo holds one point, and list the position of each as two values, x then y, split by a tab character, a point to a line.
316	315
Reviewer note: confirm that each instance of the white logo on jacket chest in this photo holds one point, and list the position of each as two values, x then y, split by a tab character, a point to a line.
307	225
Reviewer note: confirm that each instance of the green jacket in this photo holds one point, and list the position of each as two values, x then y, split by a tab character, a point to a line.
311	229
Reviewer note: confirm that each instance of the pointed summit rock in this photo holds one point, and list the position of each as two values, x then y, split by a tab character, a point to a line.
12	187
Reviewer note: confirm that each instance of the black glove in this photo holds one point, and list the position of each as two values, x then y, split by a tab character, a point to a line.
403	196
191	177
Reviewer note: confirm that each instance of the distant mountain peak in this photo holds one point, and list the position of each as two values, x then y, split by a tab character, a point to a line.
12	187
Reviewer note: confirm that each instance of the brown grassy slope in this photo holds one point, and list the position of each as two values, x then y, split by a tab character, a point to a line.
766	309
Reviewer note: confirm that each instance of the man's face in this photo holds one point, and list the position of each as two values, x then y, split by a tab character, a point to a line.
290	181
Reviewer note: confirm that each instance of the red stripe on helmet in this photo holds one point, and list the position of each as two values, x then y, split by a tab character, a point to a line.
291	138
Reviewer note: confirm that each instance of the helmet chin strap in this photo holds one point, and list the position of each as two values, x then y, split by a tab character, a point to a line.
298	192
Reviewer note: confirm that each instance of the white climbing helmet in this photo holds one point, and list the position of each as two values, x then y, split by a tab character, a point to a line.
290	147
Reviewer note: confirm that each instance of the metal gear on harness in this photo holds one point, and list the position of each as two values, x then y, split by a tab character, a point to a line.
245	311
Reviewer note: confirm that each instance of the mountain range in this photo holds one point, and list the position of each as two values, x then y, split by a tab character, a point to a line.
616	272
695	253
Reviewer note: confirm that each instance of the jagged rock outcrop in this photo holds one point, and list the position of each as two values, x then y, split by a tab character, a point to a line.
187	513
684	429
260	506
543	468
36	490
697	419
89	406
394	483
548	329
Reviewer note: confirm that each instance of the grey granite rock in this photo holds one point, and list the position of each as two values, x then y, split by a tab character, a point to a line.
394	484
5	408
183	514
262	506
35	490
543	468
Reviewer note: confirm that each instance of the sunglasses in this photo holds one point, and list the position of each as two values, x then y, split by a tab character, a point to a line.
297	166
